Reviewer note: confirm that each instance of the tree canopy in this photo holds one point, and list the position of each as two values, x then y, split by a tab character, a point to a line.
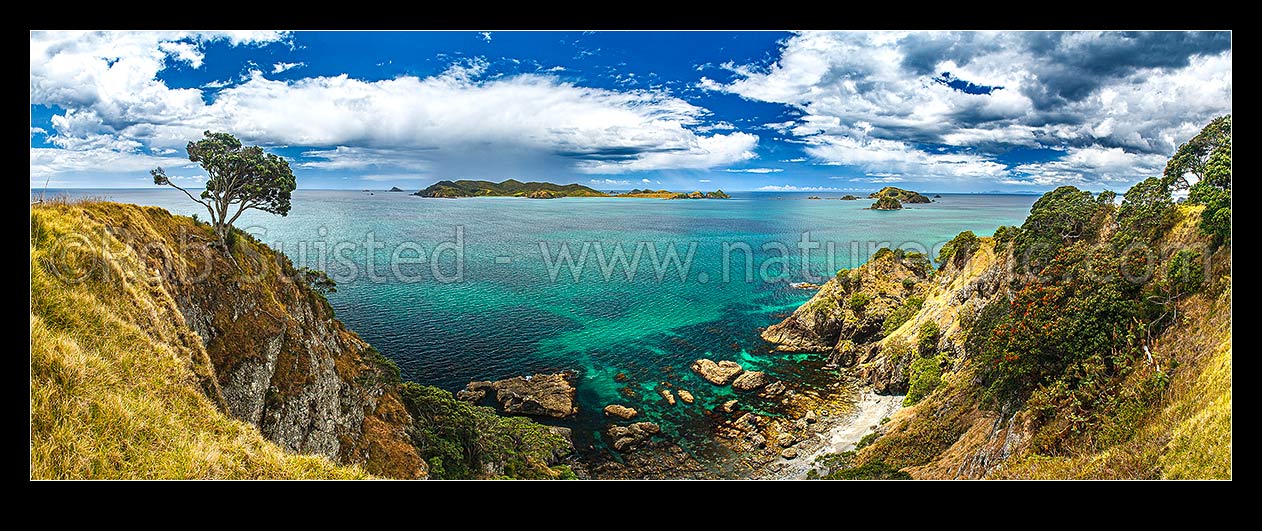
239	178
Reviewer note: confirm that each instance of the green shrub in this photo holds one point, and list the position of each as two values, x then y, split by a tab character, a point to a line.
387	371
901	314
925	376
960	247
1061	216
866	440
1147	211
873	469
460	440
927	339
1005	235
918	262
859	301
882	253
1185	272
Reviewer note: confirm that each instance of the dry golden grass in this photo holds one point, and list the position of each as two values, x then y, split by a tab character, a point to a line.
116	376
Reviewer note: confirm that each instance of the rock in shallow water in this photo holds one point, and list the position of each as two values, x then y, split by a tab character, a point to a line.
750	380
720	373
686	396
670	398
773	389
620	411
543	395
626	438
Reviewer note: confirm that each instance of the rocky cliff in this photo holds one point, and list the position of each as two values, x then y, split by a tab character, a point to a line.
266	348
955	340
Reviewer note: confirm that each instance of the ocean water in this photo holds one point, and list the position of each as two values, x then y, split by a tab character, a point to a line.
497	301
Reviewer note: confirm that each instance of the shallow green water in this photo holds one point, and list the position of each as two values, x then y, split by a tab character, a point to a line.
506	315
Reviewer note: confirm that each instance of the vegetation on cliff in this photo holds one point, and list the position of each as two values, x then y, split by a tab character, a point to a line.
1092	341
121	387
156	353
508	188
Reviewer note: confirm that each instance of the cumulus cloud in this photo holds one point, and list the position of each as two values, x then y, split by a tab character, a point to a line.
281	67
889	101
754	170
455	123
609	182
1088	164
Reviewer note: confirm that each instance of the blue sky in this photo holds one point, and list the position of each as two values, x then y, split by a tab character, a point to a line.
827	111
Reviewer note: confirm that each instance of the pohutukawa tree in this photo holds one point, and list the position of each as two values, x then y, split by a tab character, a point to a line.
238	179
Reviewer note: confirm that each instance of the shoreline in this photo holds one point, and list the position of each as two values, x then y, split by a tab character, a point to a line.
840	436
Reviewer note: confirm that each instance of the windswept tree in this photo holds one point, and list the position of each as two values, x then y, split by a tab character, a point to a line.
1194	156
238	179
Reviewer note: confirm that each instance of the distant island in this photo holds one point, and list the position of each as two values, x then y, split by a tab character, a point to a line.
849	197
396	189
892	198
904	196
666	194
508	188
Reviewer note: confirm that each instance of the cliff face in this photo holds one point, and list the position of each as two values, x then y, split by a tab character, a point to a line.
267	349
1107	414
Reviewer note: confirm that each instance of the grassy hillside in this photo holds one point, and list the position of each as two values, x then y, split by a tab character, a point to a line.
155	355
118	387
509	188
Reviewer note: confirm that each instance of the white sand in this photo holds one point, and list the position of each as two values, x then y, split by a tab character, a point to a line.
840	437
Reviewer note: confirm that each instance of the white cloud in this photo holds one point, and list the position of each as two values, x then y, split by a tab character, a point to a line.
485	35
38	131
187	52
609	182
1090	164
792	188
53	161
217	84
754	170
886	179
797	159
875	100
646	181
447	123
703	180
281	67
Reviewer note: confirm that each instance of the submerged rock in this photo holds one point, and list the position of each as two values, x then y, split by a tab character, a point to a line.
670	397
750	380
686	396
626	438
720	373
543	395
620	411
772	389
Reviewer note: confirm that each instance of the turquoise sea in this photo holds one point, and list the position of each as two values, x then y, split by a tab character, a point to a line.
505	313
